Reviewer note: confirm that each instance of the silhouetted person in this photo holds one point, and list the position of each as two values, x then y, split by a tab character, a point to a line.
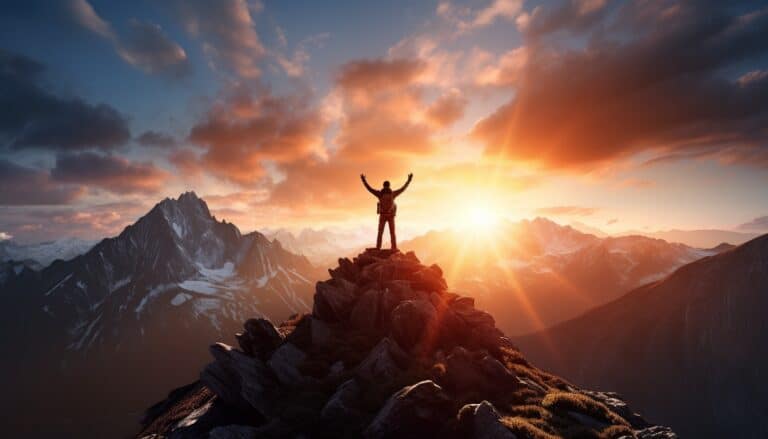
386	208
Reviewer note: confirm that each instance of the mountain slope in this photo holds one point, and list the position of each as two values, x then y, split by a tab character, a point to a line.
534	274
175	275
387	352
700	334
44	252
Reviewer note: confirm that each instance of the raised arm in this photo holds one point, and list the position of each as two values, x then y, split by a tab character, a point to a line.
405	186
367	186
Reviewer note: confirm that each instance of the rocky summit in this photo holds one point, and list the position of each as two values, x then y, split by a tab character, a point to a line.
388	351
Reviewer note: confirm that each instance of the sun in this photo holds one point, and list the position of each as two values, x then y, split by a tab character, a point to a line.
481	218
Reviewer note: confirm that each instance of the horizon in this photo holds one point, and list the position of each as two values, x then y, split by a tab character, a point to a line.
271	117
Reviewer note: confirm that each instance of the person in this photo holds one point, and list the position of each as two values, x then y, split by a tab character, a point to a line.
386	208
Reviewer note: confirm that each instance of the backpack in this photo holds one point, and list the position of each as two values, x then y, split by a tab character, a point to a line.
386	204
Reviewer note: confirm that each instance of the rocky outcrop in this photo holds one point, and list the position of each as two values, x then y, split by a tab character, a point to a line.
388	352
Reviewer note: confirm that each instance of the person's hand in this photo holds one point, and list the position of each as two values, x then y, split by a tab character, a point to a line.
410	176
362	176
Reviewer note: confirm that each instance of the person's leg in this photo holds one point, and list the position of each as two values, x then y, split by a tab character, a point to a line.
381	231
392	239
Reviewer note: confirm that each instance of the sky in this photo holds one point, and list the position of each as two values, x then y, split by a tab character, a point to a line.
622	115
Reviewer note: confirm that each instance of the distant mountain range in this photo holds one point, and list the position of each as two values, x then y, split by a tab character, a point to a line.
44	253
691	350
533	274
700	238
132	309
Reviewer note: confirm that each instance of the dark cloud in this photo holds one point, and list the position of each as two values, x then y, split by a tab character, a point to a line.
108	172
20	185
447	109
377	74
662	88
758	224
567	210
147	48
33	117
156	139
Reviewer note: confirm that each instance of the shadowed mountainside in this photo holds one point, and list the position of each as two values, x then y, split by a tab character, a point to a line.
700	335
387	352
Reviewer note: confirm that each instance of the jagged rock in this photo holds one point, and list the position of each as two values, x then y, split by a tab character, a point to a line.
238	379
383	362
452	328
466	371
618	406
321	333
234	432
340	408
394	292
413	321
656	432
413	411
260	338
484	421
429	279
365	313
285	364
332	302
346	270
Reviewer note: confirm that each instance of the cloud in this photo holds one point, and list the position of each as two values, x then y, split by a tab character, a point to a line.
33	117
22	186
108	172
145	46
568	15
758	224
5	236
447	109
227	32
579	107
370	75
156	139
465	19
567	210
246	130
612	221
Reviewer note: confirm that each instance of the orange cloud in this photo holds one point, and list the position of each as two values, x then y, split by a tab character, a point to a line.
567	211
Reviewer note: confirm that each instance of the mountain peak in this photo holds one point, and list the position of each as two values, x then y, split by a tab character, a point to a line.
387	351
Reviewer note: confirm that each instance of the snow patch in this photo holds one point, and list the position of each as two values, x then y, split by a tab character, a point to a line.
151	295
66	278
177	228
180	299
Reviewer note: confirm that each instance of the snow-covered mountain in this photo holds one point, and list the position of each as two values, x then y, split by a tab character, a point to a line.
44	252
550	272
176	274
700	334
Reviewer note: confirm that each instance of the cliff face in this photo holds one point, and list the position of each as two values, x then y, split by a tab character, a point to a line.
387	351
700	334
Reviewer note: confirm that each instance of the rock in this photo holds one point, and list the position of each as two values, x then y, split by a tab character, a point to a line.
429	279
346	270
484	421
478	372
321	333
656	432
453	330
383	362
333	303
618	406
412	322
336	369
285	364
260	338
365	313
340	408
234	432
238	379
422	409
395	292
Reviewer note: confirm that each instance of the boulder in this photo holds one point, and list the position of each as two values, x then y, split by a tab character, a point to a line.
259	339
420	410
341	406
467	371
412	322
238	379
656	432
285	364
429	279
383	362
346	270
483	421
321	333
365	313
333	300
